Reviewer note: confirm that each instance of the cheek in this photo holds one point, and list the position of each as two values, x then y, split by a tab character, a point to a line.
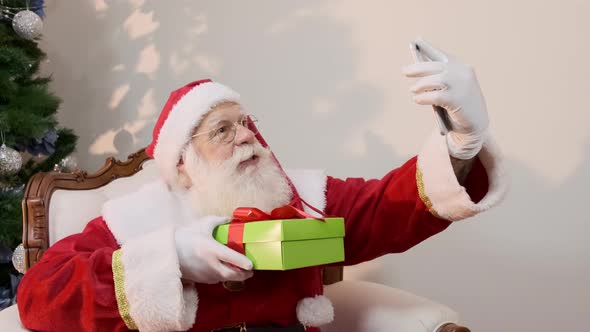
218	152
225	152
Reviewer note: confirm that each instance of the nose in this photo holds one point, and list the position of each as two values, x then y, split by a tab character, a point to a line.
244	135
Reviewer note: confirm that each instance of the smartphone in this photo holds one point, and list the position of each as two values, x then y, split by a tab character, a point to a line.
440	114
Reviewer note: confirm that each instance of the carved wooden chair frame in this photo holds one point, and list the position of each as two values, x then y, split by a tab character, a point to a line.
41	187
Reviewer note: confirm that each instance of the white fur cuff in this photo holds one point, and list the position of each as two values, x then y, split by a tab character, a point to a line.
443	194
157	299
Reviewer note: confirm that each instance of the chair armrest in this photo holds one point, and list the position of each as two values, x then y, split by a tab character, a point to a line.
361	306
10	320
450	327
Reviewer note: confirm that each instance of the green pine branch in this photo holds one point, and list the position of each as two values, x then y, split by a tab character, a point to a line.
10	219
27	112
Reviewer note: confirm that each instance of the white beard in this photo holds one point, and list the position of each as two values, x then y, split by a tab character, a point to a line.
219	187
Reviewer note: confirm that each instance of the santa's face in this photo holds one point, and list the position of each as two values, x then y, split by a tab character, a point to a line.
225	169
222	131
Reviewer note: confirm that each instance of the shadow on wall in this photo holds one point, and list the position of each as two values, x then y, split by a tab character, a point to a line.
116	76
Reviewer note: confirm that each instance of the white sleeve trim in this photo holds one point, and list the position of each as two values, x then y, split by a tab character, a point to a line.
447	198
157	299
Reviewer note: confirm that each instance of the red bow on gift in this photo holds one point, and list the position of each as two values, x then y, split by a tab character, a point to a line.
243	215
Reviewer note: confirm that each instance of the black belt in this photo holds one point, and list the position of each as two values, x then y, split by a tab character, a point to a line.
244	328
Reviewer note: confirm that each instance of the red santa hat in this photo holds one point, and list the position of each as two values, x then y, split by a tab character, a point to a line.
183	111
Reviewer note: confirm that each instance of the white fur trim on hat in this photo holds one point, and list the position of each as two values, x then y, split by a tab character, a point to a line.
158	301
315	311
183	118
448	198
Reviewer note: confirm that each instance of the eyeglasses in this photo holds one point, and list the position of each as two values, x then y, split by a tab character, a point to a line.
226	130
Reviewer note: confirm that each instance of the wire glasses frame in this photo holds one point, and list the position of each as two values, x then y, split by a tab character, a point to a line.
226	132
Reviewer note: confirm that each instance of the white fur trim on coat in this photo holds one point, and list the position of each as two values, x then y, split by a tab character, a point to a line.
148	209
143	223
315	311
157	299
155	205
311	186
449	199
183	118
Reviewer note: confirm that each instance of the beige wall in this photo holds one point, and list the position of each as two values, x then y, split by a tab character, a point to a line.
324	78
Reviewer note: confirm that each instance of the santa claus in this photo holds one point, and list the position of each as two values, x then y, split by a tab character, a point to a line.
150	263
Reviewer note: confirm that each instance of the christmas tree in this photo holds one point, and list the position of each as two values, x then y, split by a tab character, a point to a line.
31	140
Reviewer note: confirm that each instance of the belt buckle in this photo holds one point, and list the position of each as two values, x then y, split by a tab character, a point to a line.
241	326
234	286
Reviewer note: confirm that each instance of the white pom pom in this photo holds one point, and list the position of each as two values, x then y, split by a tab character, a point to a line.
315	311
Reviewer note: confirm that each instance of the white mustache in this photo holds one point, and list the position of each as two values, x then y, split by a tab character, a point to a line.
243	153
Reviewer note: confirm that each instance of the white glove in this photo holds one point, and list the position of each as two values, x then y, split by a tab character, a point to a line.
452	85
204	260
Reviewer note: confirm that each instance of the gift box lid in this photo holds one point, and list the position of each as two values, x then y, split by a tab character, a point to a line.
285	230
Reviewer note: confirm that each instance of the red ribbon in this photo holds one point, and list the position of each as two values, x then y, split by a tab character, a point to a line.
243	215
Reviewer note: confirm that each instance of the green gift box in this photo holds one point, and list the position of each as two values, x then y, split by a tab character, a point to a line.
290	243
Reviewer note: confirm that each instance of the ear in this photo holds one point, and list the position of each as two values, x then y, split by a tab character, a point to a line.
183	178
180	165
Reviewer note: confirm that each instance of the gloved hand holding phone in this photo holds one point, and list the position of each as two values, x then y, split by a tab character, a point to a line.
451	87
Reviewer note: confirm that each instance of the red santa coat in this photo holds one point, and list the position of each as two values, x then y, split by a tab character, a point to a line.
122	271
